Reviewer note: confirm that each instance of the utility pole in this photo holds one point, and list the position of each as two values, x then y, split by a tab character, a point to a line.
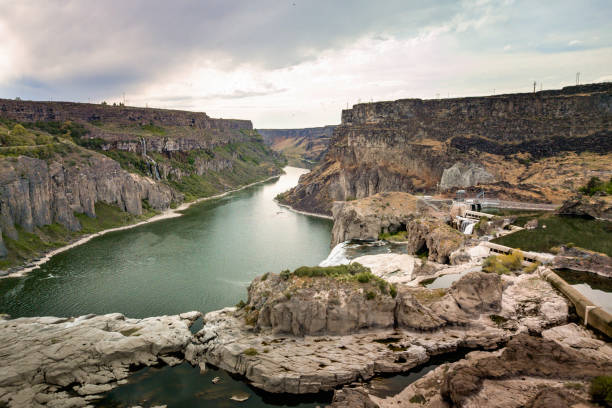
124	99
577	78
534	86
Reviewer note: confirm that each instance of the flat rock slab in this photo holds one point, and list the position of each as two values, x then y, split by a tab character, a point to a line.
67	361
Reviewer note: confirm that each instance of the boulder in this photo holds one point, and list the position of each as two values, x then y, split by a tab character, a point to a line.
580	259
465	174
582	205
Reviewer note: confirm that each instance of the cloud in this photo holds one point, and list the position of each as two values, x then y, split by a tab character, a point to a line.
284	64
574	42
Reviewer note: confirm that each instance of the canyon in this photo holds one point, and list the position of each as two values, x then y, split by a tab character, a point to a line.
537	147
302	147
140	161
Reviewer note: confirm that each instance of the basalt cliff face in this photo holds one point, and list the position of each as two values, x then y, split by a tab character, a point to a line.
302	147
34	193
61	159
536	146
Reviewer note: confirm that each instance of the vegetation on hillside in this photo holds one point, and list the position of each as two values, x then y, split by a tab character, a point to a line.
596	185
30	245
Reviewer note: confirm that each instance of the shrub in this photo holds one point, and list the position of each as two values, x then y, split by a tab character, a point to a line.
285	274
265	276
240	304
596	185
370	295
393	291
250	352
19	136
601	390
363	277
418	399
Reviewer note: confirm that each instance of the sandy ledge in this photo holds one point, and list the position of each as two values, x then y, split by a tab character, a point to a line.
170	213
327	217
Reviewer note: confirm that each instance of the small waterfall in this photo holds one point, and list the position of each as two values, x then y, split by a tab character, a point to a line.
337	256
466	225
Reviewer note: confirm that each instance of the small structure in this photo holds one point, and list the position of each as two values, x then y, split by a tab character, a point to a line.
460	195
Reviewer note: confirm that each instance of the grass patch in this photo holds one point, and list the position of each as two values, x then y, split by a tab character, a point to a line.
418	399
503	264
398	236
596	185
353	272
497	319
586	233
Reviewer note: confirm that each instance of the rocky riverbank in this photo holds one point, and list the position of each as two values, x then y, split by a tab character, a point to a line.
68	362
554	370
301	334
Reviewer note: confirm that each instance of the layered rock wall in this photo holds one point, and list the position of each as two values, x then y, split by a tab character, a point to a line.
34	193
32	111
407	145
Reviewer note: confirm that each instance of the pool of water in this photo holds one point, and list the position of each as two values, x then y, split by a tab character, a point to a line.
184	386
597	289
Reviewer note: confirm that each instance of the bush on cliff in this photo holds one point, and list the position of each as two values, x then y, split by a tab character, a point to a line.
19	136
601	390
595	185
503	264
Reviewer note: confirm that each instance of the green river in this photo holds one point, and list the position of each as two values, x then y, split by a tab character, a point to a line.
202	261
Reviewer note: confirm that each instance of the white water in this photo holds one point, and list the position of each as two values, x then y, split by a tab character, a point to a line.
337	256
467	225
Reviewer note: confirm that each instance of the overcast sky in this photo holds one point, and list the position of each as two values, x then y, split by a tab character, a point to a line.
295	63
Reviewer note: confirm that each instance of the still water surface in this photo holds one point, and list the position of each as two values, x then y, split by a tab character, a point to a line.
202	261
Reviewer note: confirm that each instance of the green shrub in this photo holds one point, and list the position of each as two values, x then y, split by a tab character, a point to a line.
19	136
595	185
240	304
418	399
363	277
393	291
601	390
285	274
250	352
370	295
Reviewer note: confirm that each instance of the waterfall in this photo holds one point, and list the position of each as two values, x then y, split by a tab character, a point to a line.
466	225
337	256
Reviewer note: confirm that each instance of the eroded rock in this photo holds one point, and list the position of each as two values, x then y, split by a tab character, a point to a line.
65	360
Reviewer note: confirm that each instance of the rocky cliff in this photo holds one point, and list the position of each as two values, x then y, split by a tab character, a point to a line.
303	147
34	193
536	146
417	222
58	159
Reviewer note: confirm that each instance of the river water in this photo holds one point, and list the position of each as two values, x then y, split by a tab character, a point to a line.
202	261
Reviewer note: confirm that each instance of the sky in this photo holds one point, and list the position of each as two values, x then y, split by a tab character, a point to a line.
296	63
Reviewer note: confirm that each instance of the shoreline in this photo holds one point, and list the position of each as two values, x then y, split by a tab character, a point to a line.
167	214
327	217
